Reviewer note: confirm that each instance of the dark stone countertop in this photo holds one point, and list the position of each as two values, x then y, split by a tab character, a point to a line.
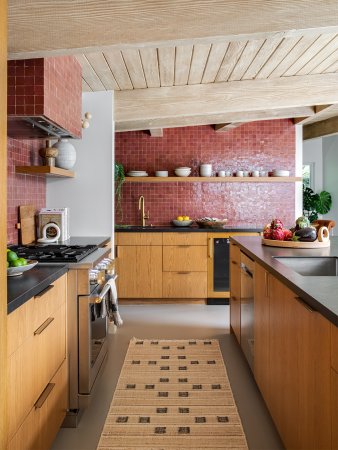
25	286
171	229
85	240
319	292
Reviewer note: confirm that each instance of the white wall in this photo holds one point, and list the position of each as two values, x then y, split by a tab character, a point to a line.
330	174
90	194
312	153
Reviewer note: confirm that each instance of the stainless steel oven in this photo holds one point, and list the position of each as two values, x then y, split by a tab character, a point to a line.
93	334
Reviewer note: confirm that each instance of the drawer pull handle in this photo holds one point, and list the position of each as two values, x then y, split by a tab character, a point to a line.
44	291
234	263
183	246
306	306
43	397
210	248
183	273
233	298
43	326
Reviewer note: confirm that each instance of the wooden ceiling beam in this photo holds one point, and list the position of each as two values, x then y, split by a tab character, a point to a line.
211	119
226	97
220	127
88	25
320	113
156	132
320	129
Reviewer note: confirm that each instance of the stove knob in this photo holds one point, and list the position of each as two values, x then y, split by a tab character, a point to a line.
93	276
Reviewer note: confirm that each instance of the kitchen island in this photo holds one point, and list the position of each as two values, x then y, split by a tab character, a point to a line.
319	292
293	337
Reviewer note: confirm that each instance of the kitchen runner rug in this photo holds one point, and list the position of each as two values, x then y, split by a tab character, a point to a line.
173	395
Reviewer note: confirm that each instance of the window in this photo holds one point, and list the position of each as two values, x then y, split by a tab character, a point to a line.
308	175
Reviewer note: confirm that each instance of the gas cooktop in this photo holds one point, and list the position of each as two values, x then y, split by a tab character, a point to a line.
54	253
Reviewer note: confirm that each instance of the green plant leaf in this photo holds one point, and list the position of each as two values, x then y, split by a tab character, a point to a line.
323	202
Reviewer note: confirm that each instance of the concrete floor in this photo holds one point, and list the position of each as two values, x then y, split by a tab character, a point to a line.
175	322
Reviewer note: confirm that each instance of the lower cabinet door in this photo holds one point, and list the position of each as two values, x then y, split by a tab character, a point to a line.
140	271
43	422
334	408
184	284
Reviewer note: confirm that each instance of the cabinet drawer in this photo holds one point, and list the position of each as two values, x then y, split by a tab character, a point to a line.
33	364
39	429
139	238
185	238
27	318
191	258
184	284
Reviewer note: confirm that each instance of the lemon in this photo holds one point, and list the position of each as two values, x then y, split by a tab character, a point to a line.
180	218
186	218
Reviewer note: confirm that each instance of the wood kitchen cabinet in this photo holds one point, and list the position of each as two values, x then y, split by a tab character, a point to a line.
292	363
261	329
235	290
184	265
36	353
139	265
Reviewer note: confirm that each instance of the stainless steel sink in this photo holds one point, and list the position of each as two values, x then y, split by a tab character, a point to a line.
325	266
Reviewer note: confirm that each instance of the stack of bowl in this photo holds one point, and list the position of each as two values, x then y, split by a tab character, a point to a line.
183	171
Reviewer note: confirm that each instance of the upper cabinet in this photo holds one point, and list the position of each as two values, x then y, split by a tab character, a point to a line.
44	98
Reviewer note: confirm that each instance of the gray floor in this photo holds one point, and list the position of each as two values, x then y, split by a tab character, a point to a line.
175	322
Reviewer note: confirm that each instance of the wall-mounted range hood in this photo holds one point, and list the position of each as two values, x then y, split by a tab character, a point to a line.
44	98
35	127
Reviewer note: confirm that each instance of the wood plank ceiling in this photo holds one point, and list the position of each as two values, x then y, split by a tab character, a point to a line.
186	62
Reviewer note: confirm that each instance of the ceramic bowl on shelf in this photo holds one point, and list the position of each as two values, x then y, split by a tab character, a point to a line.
16	271
182	223
161	173
280	173
182	171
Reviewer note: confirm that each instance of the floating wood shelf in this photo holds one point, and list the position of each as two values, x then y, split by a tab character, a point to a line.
213	179
47	171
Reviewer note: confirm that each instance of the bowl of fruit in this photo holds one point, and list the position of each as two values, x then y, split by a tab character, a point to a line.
16	265
182	221
211	222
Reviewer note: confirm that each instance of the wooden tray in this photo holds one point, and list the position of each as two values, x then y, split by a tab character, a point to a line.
295	244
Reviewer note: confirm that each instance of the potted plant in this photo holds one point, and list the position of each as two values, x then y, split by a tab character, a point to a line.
315	204
119	180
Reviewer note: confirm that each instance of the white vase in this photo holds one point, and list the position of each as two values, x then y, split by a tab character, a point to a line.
67	154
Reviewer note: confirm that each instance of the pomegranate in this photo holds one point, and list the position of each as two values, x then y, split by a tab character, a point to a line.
287	235
267	232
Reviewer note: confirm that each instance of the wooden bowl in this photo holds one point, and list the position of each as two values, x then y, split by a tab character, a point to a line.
212	224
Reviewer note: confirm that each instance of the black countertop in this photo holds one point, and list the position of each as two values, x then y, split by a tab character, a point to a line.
319	292
171	229
85	240
30	283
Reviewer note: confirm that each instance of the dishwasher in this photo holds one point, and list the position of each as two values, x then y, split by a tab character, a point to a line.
247	308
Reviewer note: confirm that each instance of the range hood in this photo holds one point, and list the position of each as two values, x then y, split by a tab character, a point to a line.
35	127
44	98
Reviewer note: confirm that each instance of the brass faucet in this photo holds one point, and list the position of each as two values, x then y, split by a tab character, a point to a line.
144	216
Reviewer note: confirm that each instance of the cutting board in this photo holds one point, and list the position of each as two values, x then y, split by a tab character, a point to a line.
27	224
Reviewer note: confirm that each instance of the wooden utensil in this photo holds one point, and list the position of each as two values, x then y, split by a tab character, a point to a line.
26	224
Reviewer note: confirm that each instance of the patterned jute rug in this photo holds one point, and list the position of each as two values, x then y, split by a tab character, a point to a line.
173	395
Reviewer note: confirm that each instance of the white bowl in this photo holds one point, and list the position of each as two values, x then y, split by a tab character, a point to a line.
182	223
15	271
182	173
183	168
161	173
281	173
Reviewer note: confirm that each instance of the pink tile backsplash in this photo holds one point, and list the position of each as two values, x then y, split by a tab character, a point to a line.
264	145
22	189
